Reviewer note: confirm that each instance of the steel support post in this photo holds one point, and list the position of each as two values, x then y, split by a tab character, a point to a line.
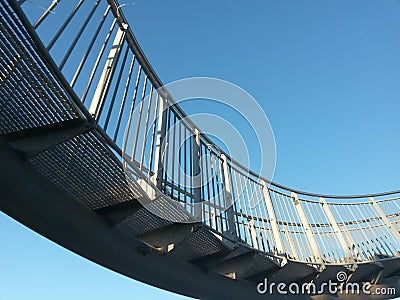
253	234
307	230
344	241
389	225
292	246
230	214
196	175
159	153
106	76
272	219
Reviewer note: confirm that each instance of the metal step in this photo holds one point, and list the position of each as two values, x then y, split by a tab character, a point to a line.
170	235
200	243
116	213
365	272
390	268
246	265
291	272
211	261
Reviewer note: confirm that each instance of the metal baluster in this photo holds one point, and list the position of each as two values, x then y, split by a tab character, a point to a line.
45	14
64	25
121	71
90	47
97	62
78	35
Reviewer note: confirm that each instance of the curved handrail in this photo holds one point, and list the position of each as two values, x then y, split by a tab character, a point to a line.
141	57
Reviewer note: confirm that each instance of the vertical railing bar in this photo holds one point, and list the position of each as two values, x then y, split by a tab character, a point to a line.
316	231
276	210
272	218
196	172
154	135
262	231
192	181
384	219
383	247
160	130
107	75
90	47
220	194
204	170
335	242
363	217
214	195
256	214
267	226
386	232
206	184
239	204
360	230
146	127
228	197
164	177
234	199
45	14
179	166
124	97
347	235
243	205
139	73
78	35
139	118
185	136
64	25
97	62
289	213
356	230
114	96
172	135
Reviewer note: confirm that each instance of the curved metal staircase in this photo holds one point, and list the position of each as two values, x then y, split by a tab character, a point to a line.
69	83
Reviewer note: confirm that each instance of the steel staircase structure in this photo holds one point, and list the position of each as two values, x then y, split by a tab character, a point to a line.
69	83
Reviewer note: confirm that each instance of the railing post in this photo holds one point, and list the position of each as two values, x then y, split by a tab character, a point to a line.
253	234
292	246
159	154
230	213
272	219
106	76
393	230
344	240
196	175
307	229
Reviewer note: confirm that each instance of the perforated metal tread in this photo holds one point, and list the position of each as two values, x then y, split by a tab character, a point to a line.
246	265
86	169
31	94
291	272
212	261
141	222
199	244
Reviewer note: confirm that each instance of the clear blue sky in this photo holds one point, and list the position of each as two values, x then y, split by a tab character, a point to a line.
327	74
